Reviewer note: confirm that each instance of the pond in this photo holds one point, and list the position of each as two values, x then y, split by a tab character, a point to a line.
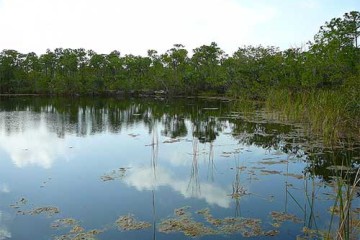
111	169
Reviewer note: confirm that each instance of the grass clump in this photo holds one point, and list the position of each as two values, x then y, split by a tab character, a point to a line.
330	114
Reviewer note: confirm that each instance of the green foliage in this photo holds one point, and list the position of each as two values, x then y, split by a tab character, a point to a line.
335	52
252	70
330	61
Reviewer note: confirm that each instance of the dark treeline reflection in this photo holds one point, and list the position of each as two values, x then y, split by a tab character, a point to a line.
84	116
179	118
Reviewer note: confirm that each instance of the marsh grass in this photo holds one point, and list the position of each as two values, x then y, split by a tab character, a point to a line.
332	115
345	174
246	105
345	192
343	223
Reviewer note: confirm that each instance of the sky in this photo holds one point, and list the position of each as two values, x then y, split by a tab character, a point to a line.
135	26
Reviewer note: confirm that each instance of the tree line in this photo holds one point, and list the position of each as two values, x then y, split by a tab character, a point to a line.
331	61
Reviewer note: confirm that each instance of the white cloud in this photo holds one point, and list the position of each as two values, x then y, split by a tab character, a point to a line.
4	232
4	188
144	179
32	145
130	26
178	158
135	26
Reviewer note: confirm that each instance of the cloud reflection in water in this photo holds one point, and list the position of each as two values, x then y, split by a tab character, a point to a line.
144	179
34	145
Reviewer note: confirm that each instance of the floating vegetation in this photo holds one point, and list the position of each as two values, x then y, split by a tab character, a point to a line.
133	135
256	168
76	232
238	191
238	195
181	211
114	174
183	222
209	218
64	222
91	235
45	183
128	223
310	234
273	162
19	203
172	140
50	211
77	229
246	226
228	154
272	233
297	176
280	217
268	172
242	168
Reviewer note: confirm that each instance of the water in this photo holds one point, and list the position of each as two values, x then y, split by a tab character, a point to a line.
157	169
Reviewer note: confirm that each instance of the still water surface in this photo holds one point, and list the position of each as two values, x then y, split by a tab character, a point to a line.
157	169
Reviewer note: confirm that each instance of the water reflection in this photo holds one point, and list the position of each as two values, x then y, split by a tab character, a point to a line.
143	179
4	188
28	141
4	232
189	151
32	130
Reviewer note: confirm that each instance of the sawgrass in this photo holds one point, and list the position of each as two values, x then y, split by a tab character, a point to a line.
330	114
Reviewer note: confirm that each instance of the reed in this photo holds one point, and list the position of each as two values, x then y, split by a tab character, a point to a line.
333	115
345	193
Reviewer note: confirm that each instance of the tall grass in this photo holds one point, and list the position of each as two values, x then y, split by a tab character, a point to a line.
348	227
327	113
332	115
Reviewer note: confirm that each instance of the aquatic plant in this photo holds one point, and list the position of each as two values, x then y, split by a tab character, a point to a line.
76	231
48	210
324	112
114	174
349	225
185	223
128	223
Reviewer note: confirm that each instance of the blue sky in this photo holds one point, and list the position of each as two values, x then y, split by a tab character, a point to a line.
134	26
